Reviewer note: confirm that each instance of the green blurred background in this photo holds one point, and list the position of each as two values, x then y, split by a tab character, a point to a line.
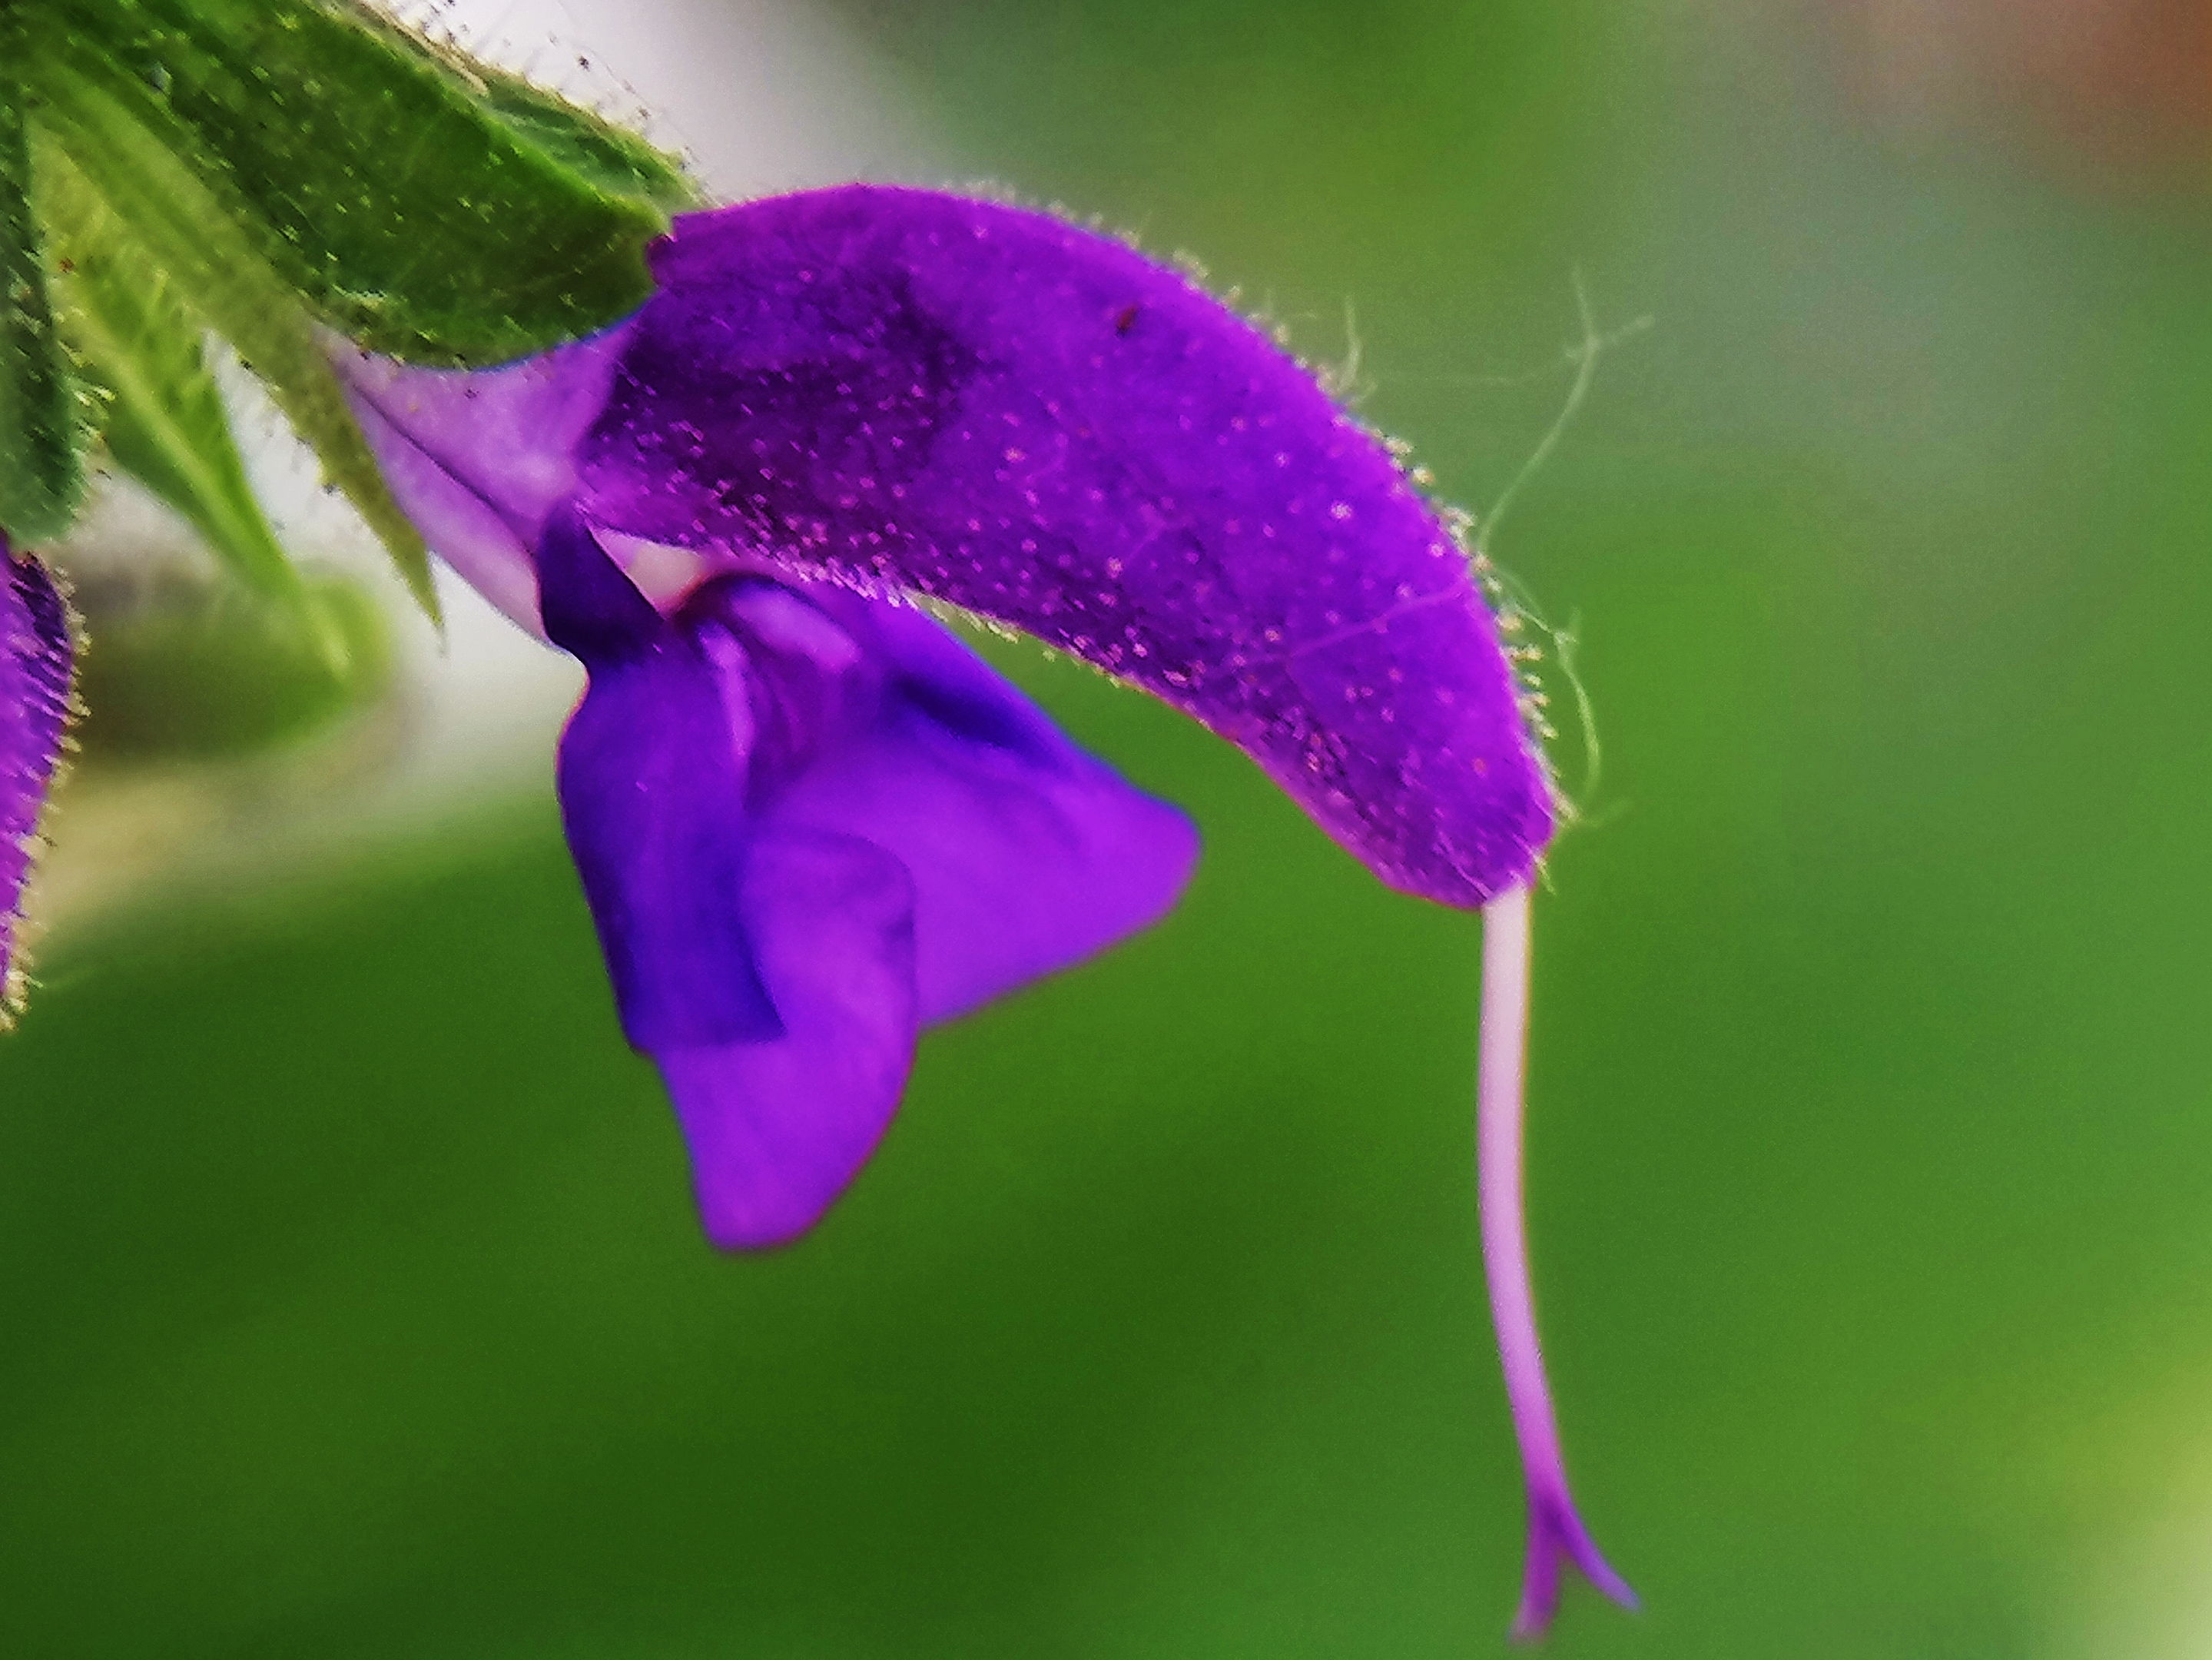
353	1305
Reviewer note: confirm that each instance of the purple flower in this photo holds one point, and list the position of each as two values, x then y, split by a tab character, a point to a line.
36	650
806	819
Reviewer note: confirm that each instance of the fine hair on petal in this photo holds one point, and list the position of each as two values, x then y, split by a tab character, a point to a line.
1520	615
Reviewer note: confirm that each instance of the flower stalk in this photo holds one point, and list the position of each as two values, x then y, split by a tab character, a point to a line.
1555	1532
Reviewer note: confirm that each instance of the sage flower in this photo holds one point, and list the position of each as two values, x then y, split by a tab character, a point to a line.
730	461
789	796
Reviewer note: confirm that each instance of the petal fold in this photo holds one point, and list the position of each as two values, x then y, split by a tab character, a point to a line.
1026	854
478	459
651	781
777	1129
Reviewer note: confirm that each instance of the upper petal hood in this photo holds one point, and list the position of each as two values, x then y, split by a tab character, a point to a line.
1024	418
902	390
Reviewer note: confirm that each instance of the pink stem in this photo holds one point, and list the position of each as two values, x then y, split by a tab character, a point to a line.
1554	1529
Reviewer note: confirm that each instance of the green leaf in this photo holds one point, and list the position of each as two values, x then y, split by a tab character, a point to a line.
165	421
615	161
214	267
429	208
41	424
